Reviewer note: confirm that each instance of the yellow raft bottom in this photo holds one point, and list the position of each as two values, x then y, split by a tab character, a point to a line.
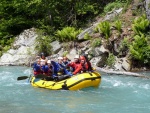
76	82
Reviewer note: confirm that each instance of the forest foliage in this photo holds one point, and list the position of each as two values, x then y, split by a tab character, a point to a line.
47	15
58	17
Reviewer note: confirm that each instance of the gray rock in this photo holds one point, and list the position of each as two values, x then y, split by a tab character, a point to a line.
99	61
61	52
72	54
56	46
122	64
111	15
97	51
24	49
88	30
146	5
26	38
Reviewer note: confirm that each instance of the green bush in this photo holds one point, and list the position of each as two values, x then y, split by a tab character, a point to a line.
125	43
43	44
110	60
65	53
87	36
104	28
5	44
140	25
114	5
96	42
6	48
118	25
67	34
140	49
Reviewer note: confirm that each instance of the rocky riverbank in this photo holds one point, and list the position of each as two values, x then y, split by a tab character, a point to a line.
23	50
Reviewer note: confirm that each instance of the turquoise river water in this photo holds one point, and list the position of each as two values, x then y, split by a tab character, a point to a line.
116	94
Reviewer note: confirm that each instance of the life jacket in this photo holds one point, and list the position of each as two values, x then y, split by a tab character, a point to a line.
61	69
42	61
74	65
89	66
45	70
37	69
84	68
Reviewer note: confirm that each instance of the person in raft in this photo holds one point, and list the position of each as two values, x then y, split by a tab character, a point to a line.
65	60
43	57
74	65
83	66
40	66
48	70
59	69
37	67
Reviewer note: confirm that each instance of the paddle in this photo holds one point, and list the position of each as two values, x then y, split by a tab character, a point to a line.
22	77
37	76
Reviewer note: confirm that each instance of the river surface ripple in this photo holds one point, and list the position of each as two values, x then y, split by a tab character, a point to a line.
116	94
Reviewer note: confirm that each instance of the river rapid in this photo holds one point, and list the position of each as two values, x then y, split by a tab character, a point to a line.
116	94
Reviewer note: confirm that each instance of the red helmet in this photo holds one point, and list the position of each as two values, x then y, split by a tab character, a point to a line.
82	58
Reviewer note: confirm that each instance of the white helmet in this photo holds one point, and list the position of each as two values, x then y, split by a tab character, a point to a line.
60	58
49	61
77	56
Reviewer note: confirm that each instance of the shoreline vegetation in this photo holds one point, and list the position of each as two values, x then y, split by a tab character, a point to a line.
119	26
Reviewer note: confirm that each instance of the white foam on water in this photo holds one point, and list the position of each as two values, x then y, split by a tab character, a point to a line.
22	83
6	76
131	84
144	86
27	72
118	83
135	91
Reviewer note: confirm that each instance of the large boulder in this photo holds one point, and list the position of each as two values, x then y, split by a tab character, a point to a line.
72	54
98	51
26	38
122	64
100	61
22	51
56	46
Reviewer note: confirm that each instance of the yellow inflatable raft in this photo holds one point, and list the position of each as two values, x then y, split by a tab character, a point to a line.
76	82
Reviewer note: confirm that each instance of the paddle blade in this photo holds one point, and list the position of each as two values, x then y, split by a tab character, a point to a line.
22	77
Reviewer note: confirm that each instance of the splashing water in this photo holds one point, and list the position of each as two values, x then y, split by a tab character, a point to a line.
116	94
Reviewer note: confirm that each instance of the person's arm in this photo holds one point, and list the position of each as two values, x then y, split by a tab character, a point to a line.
71	64
67	72
77	70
